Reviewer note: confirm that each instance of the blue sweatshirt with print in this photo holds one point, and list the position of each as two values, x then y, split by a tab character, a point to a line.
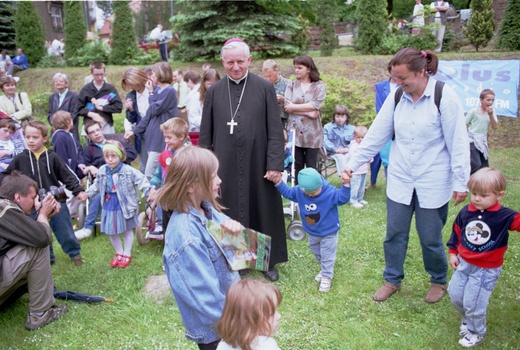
319	214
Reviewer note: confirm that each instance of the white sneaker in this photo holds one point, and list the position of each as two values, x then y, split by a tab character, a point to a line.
325	284
356	205
83	233
318	277
364	202
463	329
471	339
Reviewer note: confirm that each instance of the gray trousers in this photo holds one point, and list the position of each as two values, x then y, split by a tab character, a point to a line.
23	264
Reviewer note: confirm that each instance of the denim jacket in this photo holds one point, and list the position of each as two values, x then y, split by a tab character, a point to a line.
336	137
197	271
127	181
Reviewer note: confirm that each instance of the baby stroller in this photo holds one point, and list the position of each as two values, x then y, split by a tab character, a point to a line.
147	222
295	229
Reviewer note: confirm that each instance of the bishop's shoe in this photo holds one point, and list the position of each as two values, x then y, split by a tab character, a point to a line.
272	274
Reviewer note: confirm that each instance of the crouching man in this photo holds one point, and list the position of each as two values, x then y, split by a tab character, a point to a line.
24	248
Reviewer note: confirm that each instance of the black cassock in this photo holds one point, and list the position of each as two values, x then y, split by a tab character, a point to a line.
256	145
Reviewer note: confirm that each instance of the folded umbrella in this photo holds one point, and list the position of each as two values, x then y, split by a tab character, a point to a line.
74	296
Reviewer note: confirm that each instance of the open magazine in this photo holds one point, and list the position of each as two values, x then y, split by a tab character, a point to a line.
249	249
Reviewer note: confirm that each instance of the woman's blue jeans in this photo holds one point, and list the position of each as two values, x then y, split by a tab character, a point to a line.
429	224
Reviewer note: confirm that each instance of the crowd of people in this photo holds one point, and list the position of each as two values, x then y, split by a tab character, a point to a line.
426	144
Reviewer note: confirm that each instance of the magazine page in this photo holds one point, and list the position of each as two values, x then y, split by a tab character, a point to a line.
249	249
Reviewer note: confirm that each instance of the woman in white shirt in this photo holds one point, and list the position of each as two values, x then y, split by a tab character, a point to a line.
430	165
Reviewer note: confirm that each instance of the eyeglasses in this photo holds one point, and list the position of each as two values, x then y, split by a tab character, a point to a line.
93	131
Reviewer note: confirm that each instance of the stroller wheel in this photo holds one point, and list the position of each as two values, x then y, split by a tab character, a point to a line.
142	228
82	214
295	231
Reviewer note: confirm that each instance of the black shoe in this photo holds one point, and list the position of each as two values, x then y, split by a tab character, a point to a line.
243	272
272	274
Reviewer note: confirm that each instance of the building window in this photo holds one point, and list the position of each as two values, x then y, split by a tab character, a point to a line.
57	19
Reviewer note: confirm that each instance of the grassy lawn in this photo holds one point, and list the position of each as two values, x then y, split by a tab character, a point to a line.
344	318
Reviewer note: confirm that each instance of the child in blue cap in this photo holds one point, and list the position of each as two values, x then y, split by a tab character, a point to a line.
318	202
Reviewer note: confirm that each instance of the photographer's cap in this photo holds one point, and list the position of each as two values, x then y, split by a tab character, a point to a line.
309	180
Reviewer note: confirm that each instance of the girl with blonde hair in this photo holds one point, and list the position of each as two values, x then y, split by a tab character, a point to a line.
196	267
118	184
250	316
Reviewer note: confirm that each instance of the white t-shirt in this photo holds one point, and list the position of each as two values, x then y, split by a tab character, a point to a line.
259	343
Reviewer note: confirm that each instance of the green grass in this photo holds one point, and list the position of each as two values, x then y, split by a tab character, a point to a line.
344	318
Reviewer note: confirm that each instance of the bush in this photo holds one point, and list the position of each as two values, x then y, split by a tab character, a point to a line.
40	105
29	31
51	61
356	95
453	41
74	28
94	51
124	48
479	29
372	25
393	43
509	33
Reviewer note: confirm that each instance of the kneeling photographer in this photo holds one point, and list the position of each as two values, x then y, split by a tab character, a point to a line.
24	248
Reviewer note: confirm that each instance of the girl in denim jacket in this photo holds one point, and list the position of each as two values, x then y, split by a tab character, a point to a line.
118	184
196	267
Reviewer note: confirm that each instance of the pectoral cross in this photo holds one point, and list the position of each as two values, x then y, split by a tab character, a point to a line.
231	126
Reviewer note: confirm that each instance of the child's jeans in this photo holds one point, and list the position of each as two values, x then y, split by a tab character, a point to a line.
470	289
324	249
357	188
61	225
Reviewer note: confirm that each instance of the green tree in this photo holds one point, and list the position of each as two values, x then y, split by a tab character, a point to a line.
7	33
372	25
203	26
509	33
124	48
74	28
151	14
29	31
479	29
326	19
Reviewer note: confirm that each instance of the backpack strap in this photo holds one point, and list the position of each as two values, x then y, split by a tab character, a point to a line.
437	95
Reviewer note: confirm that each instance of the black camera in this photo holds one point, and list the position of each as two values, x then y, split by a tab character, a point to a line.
57	192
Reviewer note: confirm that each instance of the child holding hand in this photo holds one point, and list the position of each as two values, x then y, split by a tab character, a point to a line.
477	246
250	317
196	267
118	184
318	202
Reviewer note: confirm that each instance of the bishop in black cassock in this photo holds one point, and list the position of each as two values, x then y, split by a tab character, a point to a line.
247	146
